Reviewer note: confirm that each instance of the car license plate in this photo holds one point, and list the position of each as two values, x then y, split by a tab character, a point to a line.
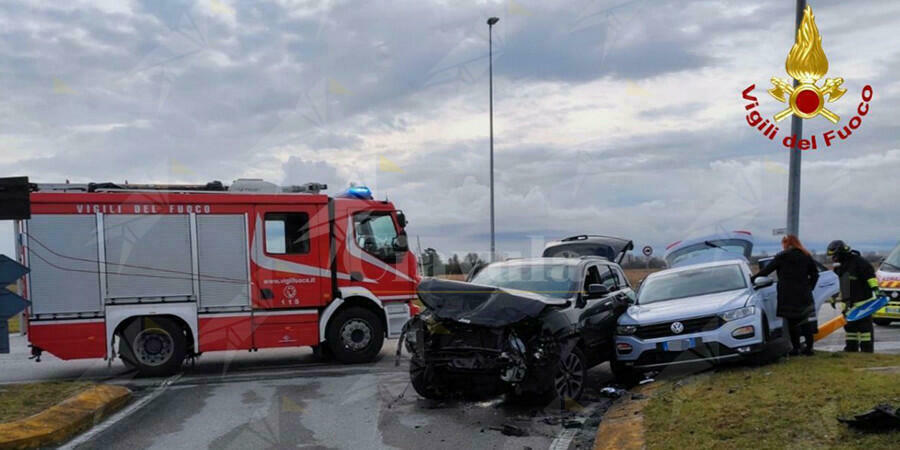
679	345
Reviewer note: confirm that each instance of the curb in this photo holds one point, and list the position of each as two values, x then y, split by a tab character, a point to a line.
623	424
64	420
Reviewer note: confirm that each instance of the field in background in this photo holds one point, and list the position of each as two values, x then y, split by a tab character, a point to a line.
14	321
634	276
14	324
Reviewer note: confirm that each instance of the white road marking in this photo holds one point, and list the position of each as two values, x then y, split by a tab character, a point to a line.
113	419
563	440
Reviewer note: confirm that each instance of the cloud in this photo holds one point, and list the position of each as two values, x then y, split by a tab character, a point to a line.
610	117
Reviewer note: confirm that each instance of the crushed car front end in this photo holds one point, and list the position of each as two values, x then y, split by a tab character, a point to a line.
452	358
480	341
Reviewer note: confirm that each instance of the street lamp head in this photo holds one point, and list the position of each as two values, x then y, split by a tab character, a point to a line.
493	20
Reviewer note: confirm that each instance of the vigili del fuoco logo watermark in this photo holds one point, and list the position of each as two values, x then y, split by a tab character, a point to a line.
806	63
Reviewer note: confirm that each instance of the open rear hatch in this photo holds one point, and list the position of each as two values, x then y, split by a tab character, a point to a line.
611	248
715	247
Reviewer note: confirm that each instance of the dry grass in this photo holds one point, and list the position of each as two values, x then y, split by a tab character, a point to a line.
18	401
14	324
792	404
634	275
13	321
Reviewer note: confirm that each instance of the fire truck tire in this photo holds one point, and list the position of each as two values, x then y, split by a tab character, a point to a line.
355	335
155	347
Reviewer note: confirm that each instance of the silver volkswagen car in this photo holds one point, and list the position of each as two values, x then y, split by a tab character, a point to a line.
702	312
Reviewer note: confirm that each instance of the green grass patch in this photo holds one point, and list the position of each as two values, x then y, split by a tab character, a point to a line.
791	404
14	324
18	401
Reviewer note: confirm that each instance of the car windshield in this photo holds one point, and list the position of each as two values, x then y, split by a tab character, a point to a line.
552	280
892	262
692	283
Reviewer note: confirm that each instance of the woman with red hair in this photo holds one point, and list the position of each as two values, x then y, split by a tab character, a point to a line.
797	276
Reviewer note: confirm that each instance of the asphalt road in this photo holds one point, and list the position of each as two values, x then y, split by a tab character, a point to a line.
286	398
887	338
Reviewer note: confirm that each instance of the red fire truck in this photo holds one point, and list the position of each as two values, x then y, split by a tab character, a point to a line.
158	273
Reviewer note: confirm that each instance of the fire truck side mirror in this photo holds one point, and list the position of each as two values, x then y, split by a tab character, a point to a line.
401	243
401	219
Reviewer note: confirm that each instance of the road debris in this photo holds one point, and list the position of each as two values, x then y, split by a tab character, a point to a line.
880	419
611	392
511	430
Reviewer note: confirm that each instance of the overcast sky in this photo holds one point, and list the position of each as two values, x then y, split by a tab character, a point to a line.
611	117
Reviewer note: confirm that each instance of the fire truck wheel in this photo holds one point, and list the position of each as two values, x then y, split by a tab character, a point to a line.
154	346
355	335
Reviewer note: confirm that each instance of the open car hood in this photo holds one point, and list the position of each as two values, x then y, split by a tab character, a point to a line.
726	246
481	305
612	248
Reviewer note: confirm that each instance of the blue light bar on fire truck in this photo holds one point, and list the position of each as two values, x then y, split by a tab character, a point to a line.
358	192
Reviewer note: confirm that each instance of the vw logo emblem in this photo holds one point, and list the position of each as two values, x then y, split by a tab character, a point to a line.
677	327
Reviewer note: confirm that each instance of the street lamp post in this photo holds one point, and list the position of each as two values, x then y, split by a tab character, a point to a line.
490	22
793	203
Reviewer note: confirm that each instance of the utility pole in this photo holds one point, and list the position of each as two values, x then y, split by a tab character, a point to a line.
793	203
490	22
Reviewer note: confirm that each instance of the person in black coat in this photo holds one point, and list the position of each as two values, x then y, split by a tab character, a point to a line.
797	277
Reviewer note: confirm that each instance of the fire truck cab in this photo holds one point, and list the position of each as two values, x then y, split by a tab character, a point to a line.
158	273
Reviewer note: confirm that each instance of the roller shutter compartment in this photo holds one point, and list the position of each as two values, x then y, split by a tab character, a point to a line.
148	256
222	251
65	271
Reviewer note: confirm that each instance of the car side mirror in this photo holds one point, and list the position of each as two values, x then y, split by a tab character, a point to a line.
596	291
401	219
761	282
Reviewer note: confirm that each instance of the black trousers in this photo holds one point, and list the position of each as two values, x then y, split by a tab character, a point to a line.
798	328
860	336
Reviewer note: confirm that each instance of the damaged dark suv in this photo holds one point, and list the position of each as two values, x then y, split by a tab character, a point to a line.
528	327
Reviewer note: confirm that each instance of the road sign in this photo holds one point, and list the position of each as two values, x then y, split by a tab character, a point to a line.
10	303
779	231
648	250
866	309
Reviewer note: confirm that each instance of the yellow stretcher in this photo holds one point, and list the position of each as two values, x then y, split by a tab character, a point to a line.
830	327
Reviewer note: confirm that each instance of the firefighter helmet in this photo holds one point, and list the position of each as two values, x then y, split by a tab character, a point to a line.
838	247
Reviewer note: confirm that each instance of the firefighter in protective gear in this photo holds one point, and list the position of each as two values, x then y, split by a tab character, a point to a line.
858	284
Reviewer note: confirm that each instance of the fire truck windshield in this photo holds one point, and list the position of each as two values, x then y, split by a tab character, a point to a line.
376	234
